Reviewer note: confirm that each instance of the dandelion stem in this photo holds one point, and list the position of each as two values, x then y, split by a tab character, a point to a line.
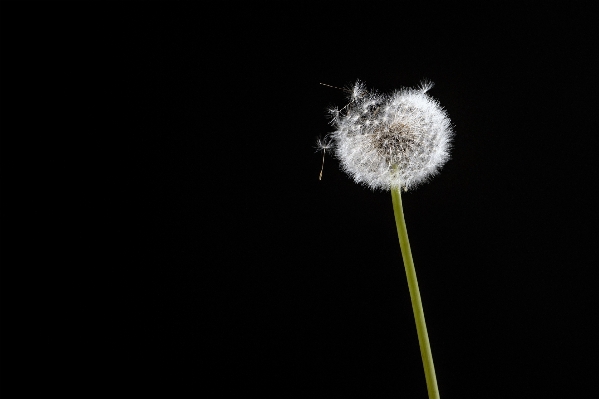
425	347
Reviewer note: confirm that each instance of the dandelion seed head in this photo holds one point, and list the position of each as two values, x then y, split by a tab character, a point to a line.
401	139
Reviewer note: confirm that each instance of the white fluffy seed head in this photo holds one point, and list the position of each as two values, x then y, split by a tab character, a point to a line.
401	139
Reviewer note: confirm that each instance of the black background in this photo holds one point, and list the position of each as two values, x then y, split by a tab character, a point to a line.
164	228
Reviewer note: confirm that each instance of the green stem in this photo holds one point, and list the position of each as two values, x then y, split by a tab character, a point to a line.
425	347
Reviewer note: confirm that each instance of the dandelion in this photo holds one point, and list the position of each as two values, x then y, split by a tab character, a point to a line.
390	142
397	140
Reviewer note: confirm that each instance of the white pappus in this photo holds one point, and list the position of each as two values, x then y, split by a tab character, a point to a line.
401	139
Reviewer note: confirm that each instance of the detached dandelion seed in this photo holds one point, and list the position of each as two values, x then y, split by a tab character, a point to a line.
323	144
390	142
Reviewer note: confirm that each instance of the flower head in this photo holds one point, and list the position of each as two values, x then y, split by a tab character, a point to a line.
401	139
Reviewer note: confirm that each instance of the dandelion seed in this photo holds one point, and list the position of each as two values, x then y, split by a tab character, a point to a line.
324	84
324	145
426	85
